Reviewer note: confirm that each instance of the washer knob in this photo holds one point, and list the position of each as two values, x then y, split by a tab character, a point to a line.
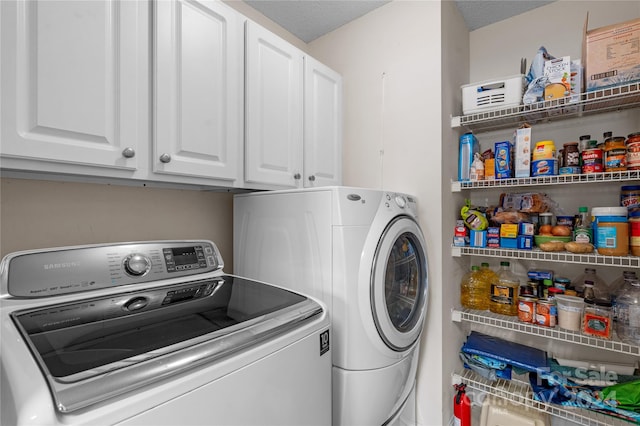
400	201
137	264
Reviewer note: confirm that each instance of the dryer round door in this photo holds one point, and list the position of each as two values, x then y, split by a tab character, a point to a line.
399	283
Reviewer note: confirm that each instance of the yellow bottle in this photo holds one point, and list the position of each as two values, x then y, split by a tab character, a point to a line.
474	291
504	292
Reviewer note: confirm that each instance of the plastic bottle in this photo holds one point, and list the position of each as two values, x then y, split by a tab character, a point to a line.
617	286
589	292
600	288
582	228
628	310
504	292
474	292
487	274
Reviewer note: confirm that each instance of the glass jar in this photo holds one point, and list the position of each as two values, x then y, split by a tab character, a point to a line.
598	317
570	155
615	154
633	151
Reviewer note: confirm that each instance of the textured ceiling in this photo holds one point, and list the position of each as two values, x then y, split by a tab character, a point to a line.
310	19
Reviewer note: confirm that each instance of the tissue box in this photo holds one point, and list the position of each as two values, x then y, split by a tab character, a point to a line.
612	54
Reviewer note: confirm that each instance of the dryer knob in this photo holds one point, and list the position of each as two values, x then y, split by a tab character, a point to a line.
400	201
137	264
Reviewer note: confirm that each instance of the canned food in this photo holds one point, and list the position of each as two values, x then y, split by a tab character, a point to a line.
592	161
527	308
546	313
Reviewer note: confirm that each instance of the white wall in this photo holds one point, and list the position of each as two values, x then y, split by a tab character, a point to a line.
390	63
496	49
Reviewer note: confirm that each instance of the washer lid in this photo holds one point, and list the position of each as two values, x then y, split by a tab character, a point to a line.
399	283
94	349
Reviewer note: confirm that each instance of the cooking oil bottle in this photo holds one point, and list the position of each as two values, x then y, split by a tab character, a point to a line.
474	292
504	292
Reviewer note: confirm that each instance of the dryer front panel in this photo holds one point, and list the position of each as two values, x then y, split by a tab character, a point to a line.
399	284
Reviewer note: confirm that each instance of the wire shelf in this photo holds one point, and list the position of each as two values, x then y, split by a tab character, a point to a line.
520	393
629	175
599	101
545	256
506	322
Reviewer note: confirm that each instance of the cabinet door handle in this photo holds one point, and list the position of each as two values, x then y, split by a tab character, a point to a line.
296	176
165	158
312	178
128	152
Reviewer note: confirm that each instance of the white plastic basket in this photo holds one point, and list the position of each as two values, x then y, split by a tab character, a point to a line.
493	94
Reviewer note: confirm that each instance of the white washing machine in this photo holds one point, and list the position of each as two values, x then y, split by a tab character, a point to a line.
154	333
363	254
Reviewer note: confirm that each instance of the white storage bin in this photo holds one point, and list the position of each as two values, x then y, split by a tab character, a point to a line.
493	94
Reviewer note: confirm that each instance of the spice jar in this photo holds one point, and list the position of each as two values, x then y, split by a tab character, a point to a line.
546	313
527	308
633	151
615	154
597	318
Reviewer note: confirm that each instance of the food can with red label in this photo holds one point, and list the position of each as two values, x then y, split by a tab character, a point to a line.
592	161
633	151
546	313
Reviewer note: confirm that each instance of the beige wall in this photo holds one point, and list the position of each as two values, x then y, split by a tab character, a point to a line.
39	214
390	63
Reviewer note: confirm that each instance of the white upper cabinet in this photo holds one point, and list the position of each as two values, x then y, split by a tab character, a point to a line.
322	125
198	90
273	109
73	83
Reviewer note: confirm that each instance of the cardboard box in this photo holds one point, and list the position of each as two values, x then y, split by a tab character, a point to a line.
522	148
525	242
526	228
504	160
508	243
478	238
509	230
611	55
558	71
490	169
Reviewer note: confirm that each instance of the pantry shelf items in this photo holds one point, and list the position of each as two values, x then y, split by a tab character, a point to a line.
630	175
599	101
520	392
512	323
537	254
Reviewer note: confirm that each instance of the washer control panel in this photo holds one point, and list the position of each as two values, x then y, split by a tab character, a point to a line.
64	270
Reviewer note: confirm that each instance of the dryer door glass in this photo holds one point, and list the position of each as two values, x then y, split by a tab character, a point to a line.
399	284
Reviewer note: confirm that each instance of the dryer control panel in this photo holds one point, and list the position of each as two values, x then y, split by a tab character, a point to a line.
58	271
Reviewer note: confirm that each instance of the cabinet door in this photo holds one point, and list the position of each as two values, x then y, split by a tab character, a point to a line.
72	83
273	120
322	125
198	89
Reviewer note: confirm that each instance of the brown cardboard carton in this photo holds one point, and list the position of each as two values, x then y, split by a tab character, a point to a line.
611	55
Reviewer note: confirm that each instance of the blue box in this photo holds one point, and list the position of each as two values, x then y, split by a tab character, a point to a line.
469	145
504	160
540	275
460	241
508	242
525	242
478	238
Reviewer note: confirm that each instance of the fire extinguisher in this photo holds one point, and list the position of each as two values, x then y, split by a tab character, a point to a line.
461	407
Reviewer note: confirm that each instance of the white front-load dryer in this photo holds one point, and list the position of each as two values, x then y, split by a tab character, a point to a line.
362	252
